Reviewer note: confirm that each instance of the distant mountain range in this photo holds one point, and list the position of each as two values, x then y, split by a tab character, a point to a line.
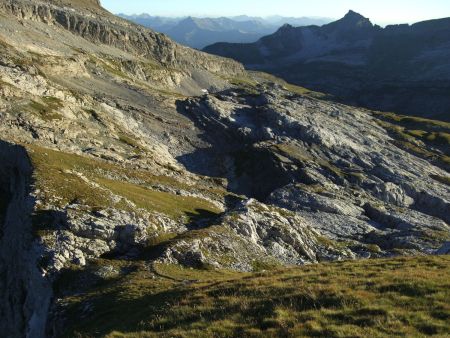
201	32
402	68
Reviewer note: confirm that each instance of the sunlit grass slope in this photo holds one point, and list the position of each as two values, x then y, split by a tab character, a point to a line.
401	297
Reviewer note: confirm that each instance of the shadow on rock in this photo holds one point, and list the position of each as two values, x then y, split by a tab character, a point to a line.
250	170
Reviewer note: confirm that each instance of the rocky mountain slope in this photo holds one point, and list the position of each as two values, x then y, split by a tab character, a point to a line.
401	68
112	154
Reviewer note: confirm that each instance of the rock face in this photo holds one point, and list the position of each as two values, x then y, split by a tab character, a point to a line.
399	68
81	236
254	235
336	168
119	155
97	25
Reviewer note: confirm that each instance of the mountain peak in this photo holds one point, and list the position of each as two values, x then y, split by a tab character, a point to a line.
356	19
283	32
352	14
284	29
286	26
188	22
350	22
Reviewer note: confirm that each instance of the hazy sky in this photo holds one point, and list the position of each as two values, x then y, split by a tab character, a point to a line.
379	11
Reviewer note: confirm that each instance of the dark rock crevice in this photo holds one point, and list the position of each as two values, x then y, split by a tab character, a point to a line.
234	152
24	292
257	173
5	197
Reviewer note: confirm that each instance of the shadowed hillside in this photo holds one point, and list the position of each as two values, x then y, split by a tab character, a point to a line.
401	68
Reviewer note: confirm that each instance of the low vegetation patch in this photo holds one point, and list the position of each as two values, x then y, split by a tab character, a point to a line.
413	121
55	179
290	87
250	84
47	108
174	206
111	66
64	178
369	298
429	139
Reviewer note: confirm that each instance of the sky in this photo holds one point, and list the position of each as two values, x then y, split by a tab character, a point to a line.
379	11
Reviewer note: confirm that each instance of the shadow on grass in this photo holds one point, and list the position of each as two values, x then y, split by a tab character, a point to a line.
200	218
155	312
114	312
165	306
